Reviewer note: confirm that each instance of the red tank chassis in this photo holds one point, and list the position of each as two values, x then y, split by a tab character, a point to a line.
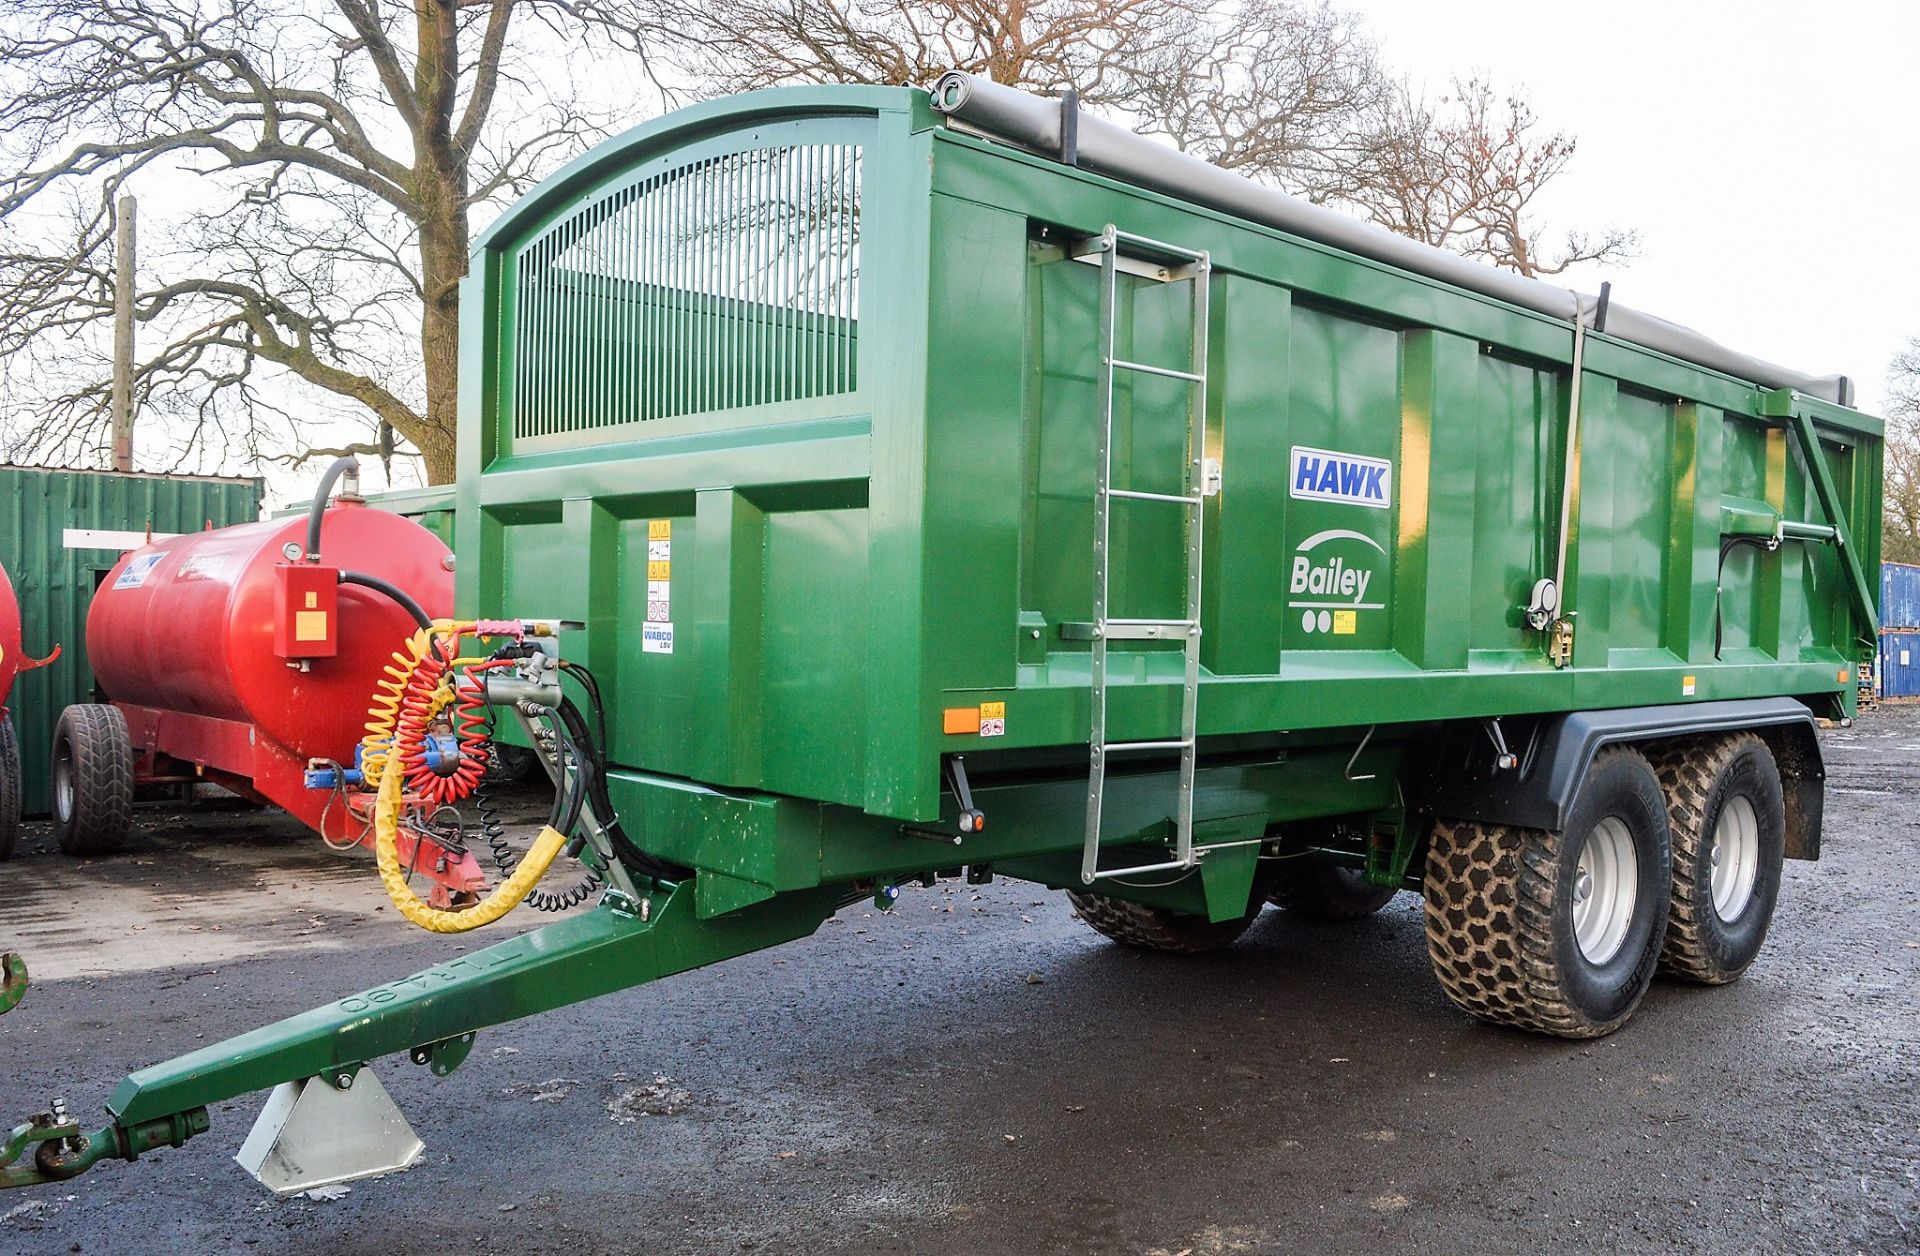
189	638
10	656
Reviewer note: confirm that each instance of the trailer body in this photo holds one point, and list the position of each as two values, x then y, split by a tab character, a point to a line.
822	494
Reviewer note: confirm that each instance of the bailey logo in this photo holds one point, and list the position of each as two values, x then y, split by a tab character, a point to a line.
1322	475
1329	587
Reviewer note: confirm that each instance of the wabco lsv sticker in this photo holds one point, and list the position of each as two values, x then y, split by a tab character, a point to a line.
1322	475
1332	572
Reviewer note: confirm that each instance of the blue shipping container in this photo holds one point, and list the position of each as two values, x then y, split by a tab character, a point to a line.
1899	595
1900	664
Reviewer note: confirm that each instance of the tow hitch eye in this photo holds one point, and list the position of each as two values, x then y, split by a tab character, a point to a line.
61	1150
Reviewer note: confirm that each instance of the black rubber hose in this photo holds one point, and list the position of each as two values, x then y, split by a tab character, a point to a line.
339	467
393	591
508	860
591	767
568	800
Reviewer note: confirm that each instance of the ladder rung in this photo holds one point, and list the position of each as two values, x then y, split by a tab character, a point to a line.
1169	866
1121	364
1140	496
1177	744
1145	632
1171	250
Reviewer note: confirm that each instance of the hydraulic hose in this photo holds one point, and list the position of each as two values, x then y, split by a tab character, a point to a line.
399	595
592	770
338	468
386	824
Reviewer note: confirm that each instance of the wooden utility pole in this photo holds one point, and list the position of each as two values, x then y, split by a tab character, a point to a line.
123	335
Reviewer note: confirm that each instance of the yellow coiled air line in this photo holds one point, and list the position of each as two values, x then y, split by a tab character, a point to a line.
386	810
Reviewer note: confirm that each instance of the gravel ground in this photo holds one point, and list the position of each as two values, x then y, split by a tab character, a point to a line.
977	1072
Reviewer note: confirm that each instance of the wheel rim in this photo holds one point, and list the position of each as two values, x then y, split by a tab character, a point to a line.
1734	856
1605	886
63	783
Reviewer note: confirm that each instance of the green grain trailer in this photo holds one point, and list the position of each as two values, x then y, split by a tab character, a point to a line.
977	488
63	529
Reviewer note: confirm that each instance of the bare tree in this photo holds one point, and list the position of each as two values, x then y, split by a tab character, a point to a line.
1289	91
1900	516
333	152
1094	46
1464	172
1271	88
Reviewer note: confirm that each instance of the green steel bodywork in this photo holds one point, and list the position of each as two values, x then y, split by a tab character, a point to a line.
914	536
846	568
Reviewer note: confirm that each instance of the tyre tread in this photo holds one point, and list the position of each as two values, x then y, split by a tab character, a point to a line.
1687	770
1489	913
10	787
1156	928
102	780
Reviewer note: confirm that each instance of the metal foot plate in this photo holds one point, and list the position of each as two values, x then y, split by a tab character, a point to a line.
313	1134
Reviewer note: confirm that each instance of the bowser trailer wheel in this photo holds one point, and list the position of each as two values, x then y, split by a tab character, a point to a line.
509	764
92	780
9	788
1326	890
1729	822
1558	933
1156	928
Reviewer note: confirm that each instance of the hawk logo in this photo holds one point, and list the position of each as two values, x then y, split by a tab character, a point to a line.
1323	475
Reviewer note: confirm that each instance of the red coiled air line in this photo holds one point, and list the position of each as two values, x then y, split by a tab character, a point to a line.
470	727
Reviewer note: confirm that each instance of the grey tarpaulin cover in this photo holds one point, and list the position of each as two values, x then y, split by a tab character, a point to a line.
1034	122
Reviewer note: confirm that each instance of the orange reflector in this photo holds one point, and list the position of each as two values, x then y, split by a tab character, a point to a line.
1843	675
962	719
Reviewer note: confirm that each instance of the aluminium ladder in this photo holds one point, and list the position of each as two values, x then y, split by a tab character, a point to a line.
1117	250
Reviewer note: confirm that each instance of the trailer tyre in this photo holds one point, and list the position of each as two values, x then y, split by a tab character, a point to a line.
1326	890
1156	928
509	764
9	788
1727	813
1558	933
92	780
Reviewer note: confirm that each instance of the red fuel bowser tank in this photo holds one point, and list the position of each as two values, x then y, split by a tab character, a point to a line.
246	656
13	661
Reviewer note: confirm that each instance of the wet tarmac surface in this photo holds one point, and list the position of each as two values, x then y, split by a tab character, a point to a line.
979	1072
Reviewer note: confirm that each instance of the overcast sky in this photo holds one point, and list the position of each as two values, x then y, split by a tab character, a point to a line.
1767	152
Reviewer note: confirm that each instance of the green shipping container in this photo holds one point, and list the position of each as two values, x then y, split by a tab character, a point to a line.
431	508
60	532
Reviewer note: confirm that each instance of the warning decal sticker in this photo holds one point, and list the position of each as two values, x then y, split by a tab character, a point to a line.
138	570
659	573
